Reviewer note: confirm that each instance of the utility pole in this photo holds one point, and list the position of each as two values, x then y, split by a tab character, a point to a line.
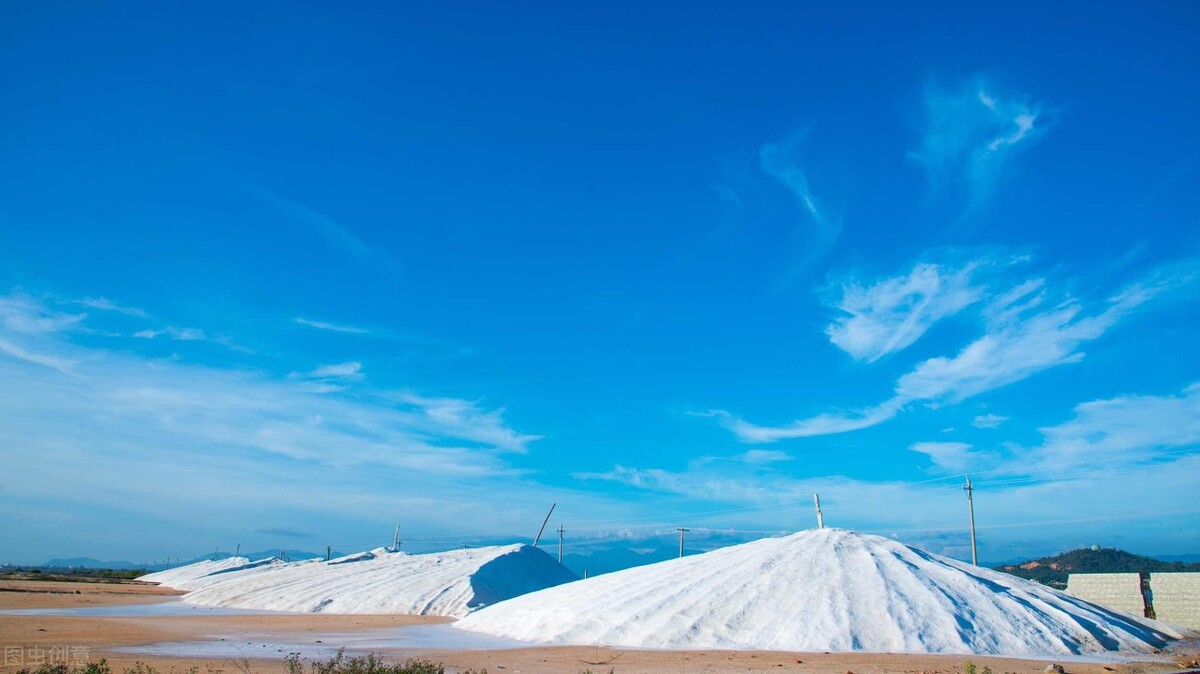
560	541
681	531
539	535
971	511
820	517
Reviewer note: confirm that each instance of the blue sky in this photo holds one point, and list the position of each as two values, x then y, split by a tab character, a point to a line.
285	276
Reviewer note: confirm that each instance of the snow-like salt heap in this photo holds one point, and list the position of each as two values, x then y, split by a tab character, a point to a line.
182	577
821	590
445	583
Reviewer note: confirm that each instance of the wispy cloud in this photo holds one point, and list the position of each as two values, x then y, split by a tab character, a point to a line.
1120	429
955	457
890	315
1023	337
23	313
988	421
178	334
328	228
348	370
781	162
969	134
826	423
1018	347
762	456
332	327
61	364
330	378
172	332
1113	461
173	437
104	304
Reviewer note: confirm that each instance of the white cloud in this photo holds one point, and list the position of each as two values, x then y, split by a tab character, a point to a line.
762	456
1124	428
170	439
828	423
1083	499
1022	338
172	332
11	349
988	421
472	423
778	160
968	134
892	314
333	327
104	304
1016	349
23	313
348	370
955	457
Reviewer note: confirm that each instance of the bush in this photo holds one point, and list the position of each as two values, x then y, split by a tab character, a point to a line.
365	664
98	667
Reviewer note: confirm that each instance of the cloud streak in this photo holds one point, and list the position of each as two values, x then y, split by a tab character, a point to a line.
1023	337
779	161
969	133
328	228
954	457
104	304
988	421
1119	458
892	314
332	327
171	438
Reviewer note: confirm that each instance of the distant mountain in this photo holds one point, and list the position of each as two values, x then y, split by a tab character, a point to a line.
93	563
1053	571
1187	559
607	560
89	563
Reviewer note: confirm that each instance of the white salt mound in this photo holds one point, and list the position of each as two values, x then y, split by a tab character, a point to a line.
445	583
181	577
820	590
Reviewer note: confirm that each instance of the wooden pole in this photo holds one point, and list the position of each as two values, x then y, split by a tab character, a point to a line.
539	535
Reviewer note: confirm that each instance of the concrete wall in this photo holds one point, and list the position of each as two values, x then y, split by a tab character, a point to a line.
1119	591
1176	598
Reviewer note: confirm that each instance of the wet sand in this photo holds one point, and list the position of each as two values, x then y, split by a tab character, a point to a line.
100	635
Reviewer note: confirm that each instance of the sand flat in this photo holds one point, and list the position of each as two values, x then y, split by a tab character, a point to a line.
101	635
27	594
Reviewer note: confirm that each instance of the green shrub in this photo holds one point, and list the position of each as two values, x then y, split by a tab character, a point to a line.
365	664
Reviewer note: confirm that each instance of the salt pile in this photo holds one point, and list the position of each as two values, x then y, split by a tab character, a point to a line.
446	583
822	590
182	577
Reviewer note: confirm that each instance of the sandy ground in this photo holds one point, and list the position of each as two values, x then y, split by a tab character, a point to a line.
94	637
17	594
